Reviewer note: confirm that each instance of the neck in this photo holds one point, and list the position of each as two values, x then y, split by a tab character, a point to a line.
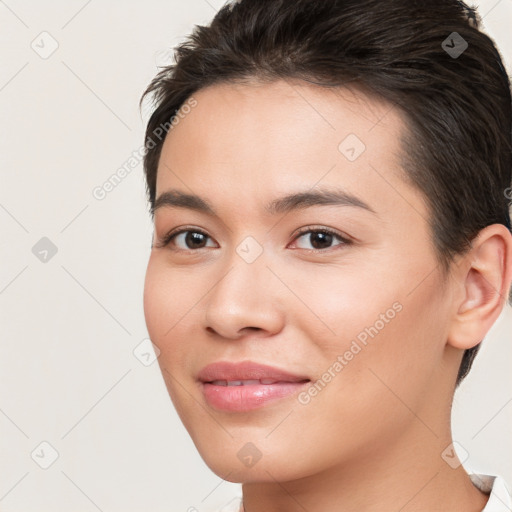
410	476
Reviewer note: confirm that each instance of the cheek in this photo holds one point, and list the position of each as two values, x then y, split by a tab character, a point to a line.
401	349
338	305
368	325
387	344
157	299
169	298
168	309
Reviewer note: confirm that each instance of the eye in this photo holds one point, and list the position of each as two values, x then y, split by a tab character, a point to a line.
189	238
321	238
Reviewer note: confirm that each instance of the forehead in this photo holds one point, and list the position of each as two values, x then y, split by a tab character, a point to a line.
264	139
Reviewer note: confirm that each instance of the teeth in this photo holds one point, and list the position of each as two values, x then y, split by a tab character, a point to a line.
245	382
242	382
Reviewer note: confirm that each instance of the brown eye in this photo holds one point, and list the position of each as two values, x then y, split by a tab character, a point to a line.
321	239
186	239
194	240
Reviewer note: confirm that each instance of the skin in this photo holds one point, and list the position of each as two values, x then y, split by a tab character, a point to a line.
373	438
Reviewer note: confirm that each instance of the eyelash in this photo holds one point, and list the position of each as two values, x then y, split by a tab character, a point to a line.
166	239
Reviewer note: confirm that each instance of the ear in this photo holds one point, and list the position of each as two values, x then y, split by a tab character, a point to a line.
485	275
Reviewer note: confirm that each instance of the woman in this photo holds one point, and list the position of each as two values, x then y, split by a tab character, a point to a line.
332	243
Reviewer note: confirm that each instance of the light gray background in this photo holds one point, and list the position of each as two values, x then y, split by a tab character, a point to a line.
70	325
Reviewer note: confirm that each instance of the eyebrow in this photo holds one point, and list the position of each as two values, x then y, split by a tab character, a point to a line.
298	200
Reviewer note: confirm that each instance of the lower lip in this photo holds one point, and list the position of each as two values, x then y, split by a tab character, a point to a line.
248	398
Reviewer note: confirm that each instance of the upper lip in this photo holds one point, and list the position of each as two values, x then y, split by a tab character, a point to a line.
246	370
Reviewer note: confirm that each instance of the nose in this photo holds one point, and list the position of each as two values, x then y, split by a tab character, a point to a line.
244	299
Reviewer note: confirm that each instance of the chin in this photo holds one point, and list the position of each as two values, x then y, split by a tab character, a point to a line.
240	462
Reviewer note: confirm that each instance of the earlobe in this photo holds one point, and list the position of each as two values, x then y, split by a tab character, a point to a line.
486	272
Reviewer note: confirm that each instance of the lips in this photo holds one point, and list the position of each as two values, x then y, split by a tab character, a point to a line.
242	387
236	373
253	382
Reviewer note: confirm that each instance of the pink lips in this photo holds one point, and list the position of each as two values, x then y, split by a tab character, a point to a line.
247	385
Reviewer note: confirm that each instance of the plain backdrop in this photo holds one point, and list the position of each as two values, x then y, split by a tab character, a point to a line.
77	394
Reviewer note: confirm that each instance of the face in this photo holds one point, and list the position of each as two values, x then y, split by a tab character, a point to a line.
341	287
